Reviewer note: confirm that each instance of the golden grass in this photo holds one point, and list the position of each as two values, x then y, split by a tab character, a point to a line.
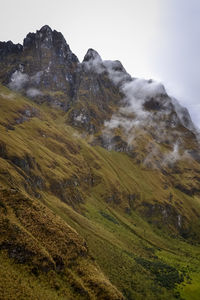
58	192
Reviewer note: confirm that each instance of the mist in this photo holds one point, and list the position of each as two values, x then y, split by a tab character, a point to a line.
33	92
175	58
147	111
21	81
18	81
154	39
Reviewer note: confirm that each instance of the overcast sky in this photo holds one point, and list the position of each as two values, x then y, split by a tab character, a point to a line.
157	39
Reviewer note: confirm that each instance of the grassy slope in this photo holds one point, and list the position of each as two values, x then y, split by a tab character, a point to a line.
134	254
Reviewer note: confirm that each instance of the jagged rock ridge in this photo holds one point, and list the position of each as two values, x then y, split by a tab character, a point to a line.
45	69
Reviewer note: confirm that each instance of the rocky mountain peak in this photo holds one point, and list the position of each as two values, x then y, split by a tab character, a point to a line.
92	55
46	29
45	39
46	70
41	67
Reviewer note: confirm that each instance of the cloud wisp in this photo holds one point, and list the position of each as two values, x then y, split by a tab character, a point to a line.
33	92
22	81
147	111
18	80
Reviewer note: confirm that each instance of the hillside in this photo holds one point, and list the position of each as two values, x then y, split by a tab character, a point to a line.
99	179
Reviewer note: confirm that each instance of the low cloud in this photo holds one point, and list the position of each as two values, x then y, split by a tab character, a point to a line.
172	156
116	72
147	112
18	81
136	93
33	92
37	77
184	115
156	159
93	62
132	118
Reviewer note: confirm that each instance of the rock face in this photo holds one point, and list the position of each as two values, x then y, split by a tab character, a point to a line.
51	57
44	63
7	48
46	70
92	55
96	96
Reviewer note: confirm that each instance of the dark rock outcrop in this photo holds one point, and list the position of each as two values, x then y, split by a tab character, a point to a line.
7	48
43	68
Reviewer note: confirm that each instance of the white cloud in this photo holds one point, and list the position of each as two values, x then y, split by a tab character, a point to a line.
37	77
18	80
146	110
33	92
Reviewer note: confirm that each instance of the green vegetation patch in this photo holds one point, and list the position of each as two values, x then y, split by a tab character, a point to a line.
166	276
109	217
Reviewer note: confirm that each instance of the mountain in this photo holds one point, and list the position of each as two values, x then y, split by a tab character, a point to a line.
99	179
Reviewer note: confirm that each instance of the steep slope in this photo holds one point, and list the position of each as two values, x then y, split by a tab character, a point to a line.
53	258
112	156
33	236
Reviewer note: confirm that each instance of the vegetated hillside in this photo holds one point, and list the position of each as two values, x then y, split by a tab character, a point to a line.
99	179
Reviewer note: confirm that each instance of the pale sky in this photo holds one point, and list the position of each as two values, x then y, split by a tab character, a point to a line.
157	39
